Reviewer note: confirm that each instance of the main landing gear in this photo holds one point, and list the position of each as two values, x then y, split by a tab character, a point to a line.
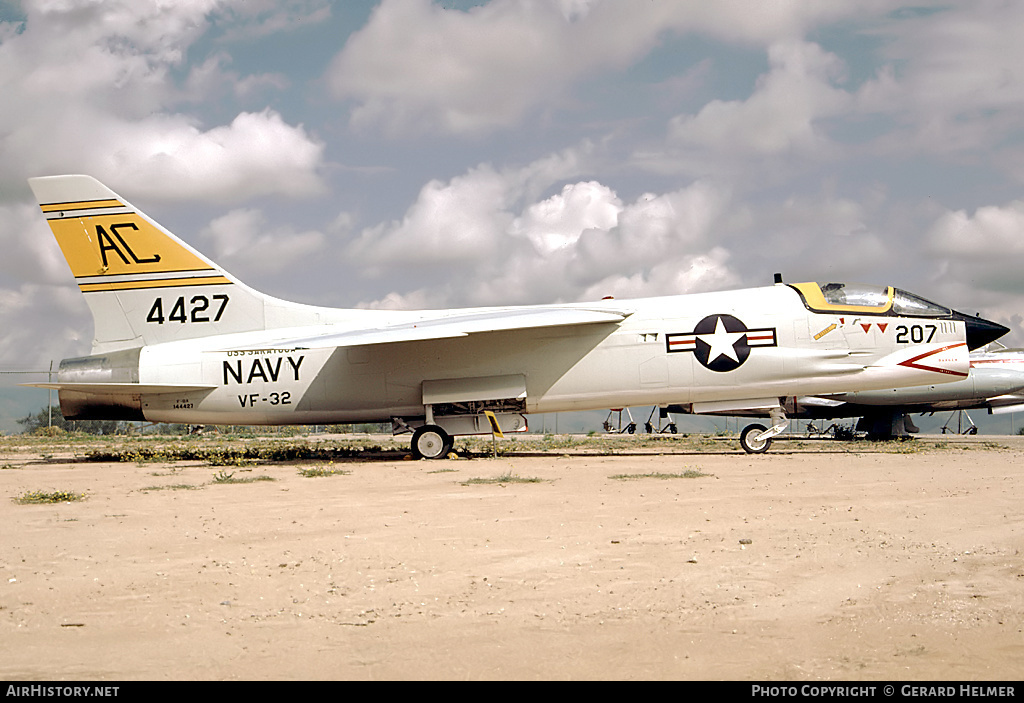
756	439
433	436
431	442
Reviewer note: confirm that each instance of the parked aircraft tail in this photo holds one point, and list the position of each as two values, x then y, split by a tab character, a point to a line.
143	284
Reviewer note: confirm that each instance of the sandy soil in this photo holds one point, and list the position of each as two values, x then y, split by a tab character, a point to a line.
810	562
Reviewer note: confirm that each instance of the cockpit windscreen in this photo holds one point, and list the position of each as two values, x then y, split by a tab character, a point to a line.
858	298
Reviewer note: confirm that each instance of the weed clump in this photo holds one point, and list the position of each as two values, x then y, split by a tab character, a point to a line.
689	473
320	471
507	477
225	477
46	497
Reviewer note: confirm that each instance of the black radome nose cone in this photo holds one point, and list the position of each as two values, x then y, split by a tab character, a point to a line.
981	331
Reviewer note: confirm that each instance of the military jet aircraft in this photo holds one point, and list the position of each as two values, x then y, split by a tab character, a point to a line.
995	382
178	339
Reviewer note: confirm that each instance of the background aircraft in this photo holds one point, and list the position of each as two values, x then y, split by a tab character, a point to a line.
995	382
178	339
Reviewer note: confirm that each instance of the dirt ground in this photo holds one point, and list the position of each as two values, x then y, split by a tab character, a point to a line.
815	561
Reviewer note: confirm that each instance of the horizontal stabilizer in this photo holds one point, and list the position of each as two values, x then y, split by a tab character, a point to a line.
120	388
454	326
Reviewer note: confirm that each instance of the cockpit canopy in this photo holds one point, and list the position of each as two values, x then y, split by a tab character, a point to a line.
861	299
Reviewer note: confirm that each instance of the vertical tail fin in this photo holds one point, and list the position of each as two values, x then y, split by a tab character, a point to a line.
143	284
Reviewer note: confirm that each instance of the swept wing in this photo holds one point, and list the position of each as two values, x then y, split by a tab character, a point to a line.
451	326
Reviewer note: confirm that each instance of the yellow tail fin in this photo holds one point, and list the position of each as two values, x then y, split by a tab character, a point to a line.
143	284
111	246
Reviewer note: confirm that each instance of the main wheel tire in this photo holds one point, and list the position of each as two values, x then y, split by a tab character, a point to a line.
431	442
747	441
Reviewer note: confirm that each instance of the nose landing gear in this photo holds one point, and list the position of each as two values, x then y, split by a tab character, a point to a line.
755	439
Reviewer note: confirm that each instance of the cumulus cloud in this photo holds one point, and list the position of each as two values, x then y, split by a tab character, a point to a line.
488	244
963	57
24	342
462	220
30	251
91	87
258	154
418	67
984	250
677	275
992	232
952	79
978	259
947	83
779	117
214	76
560	221
244	239
459	222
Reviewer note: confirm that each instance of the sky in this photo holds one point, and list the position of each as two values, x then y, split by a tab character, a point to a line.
413	154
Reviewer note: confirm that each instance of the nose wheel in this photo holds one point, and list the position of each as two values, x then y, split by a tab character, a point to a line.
755	439
431	442
750	439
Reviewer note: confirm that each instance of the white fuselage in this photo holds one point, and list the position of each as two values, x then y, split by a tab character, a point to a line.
670	350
